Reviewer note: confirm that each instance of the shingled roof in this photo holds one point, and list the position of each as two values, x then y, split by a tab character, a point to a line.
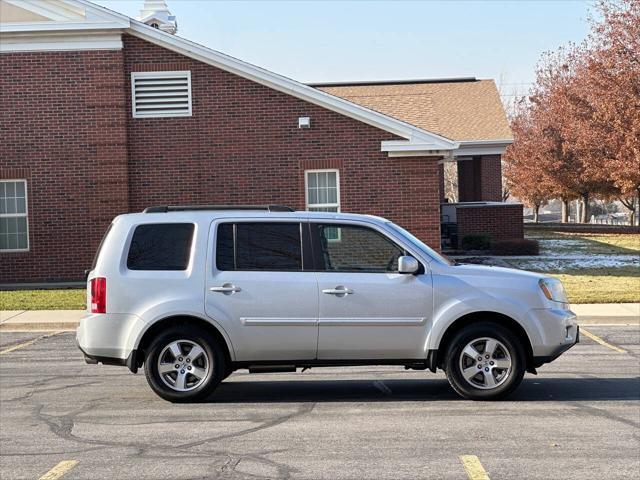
463	109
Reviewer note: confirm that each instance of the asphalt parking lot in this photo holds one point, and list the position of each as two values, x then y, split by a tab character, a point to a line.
579	418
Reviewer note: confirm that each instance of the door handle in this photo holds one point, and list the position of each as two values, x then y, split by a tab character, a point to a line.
227	289
339	290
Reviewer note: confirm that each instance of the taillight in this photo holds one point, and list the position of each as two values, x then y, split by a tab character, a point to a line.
99	295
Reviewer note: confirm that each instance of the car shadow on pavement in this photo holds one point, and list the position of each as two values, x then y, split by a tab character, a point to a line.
395	390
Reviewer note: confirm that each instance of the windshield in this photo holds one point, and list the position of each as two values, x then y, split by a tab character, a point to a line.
416	242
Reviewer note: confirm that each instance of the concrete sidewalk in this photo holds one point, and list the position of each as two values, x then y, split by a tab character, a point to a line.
53	320
39	320
603	313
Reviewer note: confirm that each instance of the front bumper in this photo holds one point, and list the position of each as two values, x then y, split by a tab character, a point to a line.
551	331
540	360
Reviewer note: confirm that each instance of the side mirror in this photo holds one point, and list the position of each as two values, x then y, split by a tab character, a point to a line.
407	264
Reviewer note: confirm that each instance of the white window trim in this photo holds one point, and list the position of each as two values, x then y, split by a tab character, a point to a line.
306	189
177	73
18	215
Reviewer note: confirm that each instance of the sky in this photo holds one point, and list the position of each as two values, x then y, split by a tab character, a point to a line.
332	40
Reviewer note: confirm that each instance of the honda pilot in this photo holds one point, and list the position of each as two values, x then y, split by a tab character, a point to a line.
194	293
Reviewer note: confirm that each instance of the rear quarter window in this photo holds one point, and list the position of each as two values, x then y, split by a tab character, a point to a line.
104	238
161	246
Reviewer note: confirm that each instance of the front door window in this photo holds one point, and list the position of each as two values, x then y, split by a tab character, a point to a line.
350	248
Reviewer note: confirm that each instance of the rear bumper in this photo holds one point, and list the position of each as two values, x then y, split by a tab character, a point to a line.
102	338
131	362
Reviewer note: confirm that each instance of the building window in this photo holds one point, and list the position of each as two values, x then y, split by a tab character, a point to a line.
161	94
322	190
14	228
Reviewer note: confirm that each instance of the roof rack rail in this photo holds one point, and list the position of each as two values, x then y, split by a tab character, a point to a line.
187	208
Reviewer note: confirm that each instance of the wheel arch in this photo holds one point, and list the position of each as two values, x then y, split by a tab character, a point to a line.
486	316
155	328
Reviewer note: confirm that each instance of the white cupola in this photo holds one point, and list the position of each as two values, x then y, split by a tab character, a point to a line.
155	13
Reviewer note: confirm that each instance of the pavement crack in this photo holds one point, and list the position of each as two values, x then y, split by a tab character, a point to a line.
303	410
602	413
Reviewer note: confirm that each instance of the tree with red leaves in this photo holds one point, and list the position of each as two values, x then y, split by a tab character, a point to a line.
578	135
523	176
608	92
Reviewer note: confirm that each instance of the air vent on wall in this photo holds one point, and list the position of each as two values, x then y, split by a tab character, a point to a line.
161	94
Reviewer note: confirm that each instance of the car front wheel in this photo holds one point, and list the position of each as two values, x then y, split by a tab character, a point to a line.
184	364
485	361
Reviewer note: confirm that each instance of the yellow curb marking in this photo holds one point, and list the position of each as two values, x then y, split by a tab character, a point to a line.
473	467
26	344
59	470
597	339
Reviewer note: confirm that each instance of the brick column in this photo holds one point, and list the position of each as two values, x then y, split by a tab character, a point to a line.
480	179
468	181
491	178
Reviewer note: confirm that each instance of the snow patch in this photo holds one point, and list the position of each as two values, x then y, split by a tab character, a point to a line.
579	262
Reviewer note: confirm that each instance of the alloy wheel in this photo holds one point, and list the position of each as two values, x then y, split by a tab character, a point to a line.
183	365
485	363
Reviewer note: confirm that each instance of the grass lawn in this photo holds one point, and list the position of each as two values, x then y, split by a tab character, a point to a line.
601	285
626	243
572	243
599	280
72	299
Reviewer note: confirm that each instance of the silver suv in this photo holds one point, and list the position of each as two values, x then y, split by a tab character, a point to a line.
194	293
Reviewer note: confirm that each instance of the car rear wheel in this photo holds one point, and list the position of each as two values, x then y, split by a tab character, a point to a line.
485	361
184	364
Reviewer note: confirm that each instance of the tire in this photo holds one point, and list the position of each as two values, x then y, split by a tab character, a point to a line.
492	378
194	379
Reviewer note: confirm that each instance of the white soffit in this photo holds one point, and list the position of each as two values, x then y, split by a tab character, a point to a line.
67	26
482	147
53	10
53	42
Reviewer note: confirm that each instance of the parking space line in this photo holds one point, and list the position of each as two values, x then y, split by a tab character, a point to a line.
26	344
473	467
59	470
597	339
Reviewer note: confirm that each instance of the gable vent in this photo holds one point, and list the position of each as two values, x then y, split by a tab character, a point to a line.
161	94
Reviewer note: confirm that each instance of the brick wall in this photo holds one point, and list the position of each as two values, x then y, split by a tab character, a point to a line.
500	222
62	125
67	124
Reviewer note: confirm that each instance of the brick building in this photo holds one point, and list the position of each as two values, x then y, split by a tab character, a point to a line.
103	114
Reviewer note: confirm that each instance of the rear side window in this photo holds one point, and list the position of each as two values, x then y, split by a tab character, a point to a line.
160	246
259	246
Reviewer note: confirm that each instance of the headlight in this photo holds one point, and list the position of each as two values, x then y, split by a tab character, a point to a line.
553	290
